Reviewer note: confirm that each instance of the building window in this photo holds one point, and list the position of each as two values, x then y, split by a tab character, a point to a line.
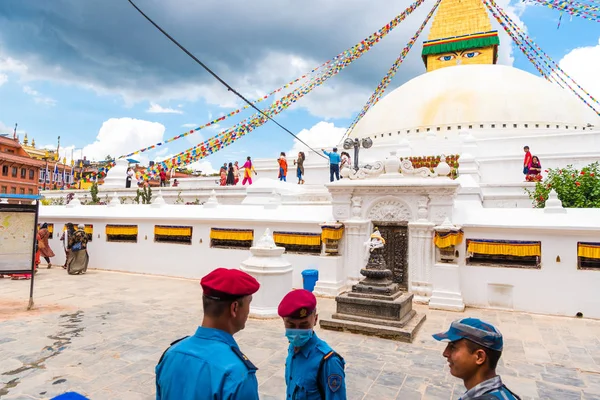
298	242
231	238
22	191
173	234
3	189
42	175
14	172
29	191
31	174
23	173
588	256
10	151
4	170
13	190
122	233
504	253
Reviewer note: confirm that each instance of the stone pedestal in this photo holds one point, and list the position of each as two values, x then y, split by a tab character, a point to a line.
376	306
274	273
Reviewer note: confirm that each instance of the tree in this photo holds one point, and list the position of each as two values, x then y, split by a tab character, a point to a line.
575	188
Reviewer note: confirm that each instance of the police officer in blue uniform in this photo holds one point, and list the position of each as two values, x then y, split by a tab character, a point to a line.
312	369
473	352
209	365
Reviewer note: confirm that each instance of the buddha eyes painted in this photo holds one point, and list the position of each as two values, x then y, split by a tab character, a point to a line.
452	56
471	54
447	57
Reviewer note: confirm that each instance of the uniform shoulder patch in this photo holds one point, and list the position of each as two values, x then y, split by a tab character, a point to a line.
334	382
244	359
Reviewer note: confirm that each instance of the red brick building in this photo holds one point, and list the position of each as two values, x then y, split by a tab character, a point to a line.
19	173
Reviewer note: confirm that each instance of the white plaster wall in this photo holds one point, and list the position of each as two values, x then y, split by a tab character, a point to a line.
181	260
557	288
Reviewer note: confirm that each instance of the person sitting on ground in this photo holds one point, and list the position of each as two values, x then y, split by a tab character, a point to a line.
473	352
534	173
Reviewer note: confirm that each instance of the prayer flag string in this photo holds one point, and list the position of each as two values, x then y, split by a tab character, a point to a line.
380	90
356	49
507	23
583	10
230	135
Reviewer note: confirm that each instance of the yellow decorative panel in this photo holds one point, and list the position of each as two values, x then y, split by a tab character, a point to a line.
484	55
458	18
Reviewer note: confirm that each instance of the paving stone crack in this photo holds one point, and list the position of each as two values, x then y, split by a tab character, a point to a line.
61	341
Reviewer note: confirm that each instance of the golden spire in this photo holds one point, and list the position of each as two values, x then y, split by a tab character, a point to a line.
461	33
25	140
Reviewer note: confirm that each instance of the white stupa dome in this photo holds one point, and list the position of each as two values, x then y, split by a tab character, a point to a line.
475	95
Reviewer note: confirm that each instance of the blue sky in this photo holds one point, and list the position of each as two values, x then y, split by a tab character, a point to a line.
67	69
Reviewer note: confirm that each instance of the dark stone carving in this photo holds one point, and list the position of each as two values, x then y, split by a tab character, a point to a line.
376	305
395	252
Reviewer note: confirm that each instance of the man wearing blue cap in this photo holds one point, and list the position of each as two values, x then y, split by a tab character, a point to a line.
473	352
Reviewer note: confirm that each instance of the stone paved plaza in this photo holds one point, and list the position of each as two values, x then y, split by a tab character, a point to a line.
101	335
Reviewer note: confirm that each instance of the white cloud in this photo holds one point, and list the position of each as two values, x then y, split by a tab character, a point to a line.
38	97
582	65
321	135
3	79
158	109
204	165
189	125
120	136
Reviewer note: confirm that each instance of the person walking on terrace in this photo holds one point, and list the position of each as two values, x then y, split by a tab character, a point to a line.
473	352
43	245
78	257
209	365
334	164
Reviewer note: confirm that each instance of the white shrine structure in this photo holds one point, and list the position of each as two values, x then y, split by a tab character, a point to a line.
470	241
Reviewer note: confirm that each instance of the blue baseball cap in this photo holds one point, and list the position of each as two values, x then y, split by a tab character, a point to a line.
475	330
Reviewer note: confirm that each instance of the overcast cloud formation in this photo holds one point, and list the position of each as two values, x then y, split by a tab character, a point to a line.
105	45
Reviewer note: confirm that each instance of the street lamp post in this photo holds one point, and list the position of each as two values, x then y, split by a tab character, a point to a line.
356	144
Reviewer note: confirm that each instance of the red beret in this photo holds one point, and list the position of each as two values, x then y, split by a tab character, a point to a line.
297	304
228	284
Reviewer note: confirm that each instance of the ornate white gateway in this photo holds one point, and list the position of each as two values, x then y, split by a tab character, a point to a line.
406	205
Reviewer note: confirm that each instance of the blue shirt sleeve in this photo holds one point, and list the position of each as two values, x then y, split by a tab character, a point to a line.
326	153
333	379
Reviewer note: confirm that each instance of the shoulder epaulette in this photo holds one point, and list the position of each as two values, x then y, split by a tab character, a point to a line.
173	343
244	359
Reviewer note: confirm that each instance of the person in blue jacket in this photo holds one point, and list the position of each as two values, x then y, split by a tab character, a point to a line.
473	351
334	163
209	365
313	371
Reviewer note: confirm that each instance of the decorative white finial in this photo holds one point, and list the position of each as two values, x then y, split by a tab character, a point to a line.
114	201
443	169
212	201
266	241
74	201
553	204
158	201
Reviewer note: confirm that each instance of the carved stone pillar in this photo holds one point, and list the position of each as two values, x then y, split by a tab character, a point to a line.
356	233
421	257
